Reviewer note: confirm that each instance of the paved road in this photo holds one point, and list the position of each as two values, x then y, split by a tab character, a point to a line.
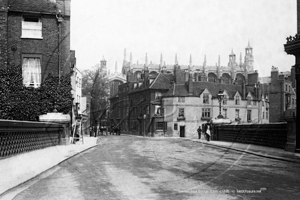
124	167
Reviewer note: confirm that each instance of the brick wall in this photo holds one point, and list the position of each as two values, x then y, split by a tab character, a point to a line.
298	16
3	34
48	6
48	47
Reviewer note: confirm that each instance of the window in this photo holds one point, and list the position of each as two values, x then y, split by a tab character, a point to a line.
181	99
249	115
158	110
249	101
147	109
175	127
181	112
267	113
31	71
225	100
237	113
31	27
206	112
206	98
237	100
159	125
293	101
225	112
157	95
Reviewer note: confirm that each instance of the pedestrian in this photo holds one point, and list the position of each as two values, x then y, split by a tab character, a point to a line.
208	133
199	132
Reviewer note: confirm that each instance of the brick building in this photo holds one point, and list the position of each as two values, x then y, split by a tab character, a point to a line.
282	94
35	36
175	104
292	47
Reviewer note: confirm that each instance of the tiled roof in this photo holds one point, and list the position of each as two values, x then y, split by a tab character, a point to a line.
162	81
199	87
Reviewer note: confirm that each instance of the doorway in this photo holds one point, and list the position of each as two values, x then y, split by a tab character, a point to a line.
182	131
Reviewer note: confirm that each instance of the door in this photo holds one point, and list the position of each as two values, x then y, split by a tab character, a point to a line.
182	131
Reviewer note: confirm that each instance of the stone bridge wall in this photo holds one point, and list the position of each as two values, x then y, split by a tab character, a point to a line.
22	136
272	135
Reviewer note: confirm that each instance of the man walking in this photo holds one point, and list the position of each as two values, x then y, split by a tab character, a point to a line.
199	132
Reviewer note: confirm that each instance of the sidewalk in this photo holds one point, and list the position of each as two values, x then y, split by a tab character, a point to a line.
20	168
262	151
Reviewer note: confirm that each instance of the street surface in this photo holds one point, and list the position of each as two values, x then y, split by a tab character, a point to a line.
125	167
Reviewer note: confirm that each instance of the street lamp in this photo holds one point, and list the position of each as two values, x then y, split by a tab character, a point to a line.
144	124
220	98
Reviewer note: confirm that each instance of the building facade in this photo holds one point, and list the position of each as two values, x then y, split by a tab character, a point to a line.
35	49
282	95
160	100
35	36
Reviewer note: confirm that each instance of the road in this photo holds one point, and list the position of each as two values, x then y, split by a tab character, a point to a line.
125	167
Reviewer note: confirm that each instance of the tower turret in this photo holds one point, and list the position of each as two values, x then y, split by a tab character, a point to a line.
249	58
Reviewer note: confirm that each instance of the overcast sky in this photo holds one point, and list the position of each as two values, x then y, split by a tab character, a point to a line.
183	27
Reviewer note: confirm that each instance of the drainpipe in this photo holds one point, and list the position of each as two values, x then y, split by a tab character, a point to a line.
59	21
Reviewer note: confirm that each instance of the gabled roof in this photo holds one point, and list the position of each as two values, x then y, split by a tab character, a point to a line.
214	88
162	81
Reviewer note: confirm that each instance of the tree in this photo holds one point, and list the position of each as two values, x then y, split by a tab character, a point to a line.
95	84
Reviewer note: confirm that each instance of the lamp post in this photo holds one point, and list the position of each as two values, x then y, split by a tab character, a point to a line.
144	124
220	98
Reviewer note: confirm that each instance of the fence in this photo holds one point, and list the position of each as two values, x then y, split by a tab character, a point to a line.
272	135
22	136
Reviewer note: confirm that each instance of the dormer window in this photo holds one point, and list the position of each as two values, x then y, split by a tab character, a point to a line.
237	100
205	98
32	27
225	100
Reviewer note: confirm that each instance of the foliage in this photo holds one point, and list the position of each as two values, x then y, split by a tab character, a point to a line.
18	102
95	84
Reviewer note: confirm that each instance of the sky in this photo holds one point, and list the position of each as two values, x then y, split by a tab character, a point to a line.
104	28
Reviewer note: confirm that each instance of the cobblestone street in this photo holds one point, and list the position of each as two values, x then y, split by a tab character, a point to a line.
125	167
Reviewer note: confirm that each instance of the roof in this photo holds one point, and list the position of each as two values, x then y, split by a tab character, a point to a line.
199	87
162	81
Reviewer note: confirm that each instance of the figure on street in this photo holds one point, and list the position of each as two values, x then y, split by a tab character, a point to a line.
208	133
199	132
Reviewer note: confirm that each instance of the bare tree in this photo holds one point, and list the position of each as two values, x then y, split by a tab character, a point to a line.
95	84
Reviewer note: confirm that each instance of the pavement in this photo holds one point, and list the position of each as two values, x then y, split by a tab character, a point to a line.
19	169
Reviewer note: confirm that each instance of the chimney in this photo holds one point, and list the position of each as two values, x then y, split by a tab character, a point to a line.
146	77
253	78
293	77
186	75
281	76
274	74
129	76
190	85
243	90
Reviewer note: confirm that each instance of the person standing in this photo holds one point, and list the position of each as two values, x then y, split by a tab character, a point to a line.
199	132
208	133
